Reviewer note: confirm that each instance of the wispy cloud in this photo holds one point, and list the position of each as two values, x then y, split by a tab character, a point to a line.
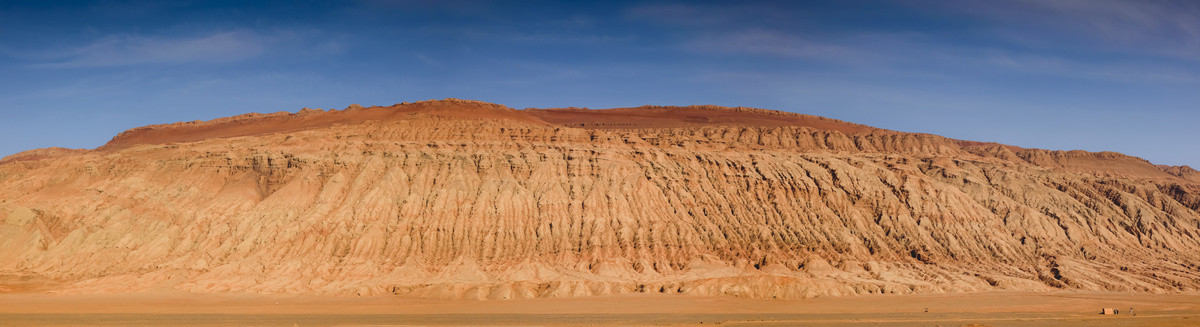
132	49
732	28
765	42
1118	72
1098	40
1131	22
674	14
564	38
1169	28
709	14
428	61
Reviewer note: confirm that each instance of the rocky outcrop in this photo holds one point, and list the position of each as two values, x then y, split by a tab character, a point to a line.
462	199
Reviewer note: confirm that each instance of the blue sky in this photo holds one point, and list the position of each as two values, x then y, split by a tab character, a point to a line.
1067	74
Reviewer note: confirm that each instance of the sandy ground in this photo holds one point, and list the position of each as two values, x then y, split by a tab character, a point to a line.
988	309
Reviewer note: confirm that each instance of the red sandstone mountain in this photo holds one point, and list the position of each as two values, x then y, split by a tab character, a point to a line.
465	199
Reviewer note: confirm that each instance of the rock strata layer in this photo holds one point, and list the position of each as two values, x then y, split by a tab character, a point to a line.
461	199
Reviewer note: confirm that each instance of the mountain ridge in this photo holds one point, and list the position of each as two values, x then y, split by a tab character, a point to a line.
591	118
462	199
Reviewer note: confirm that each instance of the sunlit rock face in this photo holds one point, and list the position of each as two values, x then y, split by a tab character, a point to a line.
463	199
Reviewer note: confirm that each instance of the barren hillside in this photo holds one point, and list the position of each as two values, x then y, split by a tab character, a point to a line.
465	199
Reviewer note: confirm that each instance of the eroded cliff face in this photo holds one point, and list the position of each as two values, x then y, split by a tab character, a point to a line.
461	199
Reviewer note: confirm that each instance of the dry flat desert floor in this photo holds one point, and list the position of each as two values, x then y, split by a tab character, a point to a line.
973	309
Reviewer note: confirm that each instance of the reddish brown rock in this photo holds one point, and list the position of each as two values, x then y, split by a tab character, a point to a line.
464	199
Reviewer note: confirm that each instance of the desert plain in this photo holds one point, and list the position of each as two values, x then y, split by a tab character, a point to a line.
973	309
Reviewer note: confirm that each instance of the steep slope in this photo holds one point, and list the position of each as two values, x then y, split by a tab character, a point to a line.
463	199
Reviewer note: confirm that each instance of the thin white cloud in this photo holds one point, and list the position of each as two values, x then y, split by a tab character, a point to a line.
559	37
1127	41
917	54
428	61
713	14
738	29
1117	72
129	49
765	42
674	14
1167	28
